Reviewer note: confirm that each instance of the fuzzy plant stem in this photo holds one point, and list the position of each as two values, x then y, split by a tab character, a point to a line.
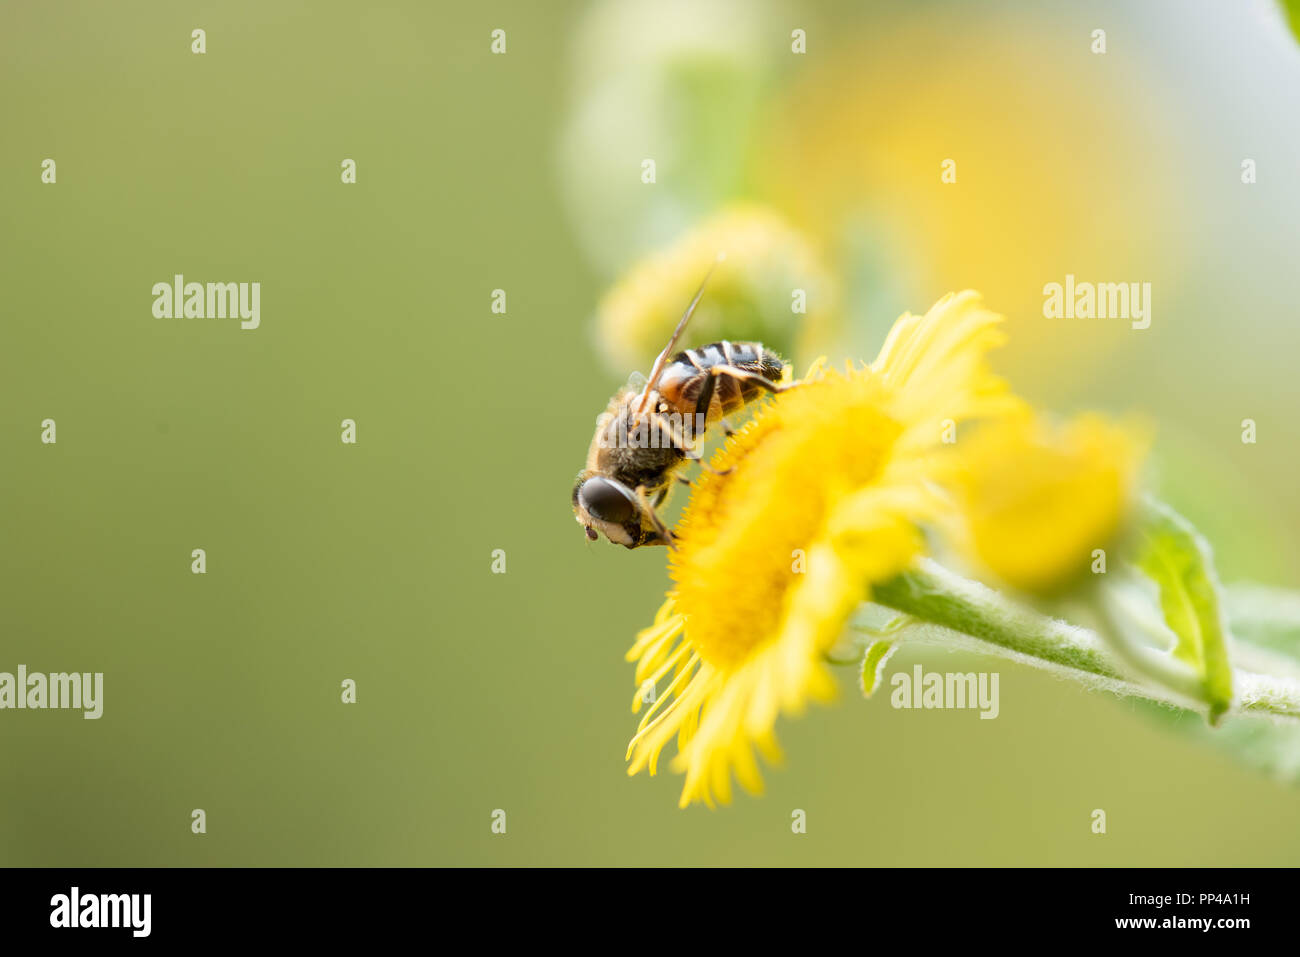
931	595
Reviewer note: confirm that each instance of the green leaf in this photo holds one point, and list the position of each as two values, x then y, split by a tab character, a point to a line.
1178	560
1258	741
1265	617
873	665
1292	10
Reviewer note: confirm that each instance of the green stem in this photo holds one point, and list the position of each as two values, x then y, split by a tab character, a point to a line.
932	594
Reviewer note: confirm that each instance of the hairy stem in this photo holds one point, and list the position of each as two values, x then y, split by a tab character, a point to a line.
935	596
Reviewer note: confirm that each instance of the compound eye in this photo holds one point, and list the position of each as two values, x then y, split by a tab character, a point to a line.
606	501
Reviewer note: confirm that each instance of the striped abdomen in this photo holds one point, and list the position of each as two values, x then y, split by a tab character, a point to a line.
684	376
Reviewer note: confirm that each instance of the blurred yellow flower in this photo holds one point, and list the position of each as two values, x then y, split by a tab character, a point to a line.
1038	497
772	288
855	152
818	497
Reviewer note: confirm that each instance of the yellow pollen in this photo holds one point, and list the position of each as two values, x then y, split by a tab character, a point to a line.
744	536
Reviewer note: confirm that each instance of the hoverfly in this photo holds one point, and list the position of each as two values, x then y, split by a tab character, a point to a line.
647	433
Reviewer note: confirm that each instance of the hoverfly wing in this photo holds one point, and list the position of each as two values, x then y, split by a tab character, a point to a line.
662	360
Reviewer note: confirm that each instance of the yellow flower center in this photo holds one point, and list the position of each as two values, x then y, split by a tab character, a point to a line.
744	537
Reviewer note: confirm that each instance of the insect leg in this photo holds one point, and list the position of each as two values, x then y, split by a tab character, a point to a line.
666	428
702	407
665	534
680	445
744	375
705	400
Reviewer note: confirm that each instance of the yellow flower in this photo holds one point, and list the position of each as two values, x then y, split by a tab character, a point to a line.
819	496
750	295
1039	497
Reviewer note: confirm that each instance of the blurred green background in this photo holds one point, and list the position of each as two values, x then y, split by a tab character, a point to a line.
479	691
